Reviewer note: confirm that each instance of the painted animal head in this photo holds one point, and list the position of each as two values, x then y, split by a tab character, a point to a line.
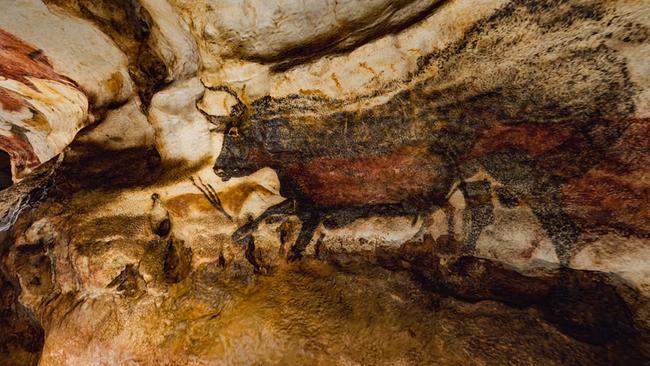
235	158
249	144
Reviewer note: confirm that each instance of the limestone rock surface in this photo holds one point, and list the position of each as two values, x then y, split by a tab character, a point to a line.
369	182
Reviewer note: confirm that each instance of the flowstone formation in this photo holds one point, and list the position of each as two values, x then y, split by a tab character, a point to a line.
367	182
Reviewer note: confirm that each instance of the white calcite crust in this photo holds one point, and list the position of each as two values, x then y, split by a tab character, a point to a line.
257	29
172	40
182	131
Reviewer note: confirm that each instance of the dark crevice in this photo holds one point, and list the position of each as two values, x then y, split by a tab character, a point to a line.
21	335
90	166
177	261
5	170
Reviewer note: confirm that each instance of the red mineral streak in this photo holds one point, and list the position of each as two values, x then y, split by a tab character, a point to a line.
10	102
615	191
21	152
408	174
20	60
532	138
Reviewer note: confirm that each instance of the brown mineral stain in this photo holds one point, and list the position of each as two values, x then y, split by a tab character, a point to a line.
38	122
336	81
316	92
115	83
364	65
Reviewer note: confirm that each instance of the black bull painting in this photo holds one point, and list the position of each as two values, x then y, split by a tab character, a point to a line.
517	97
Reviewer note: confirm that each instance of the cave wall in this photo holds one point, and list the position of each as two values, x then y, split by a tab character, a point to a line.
493	151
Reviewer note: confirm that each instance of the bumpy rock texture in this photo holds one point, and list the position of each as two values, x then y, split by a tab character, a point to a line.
342	182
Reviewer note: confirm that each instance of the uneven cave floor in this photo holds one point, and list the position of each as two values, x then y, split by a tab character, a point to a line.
119	301
314	312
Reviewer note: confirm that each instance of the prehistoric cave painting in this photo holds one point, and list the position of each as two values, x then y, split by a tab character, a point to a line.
20	151
26	127
613	194
374	163
518	96
20	61
129	25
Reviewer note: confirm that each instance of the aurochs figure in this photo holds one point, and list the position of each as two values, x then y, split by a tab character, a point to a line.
344	165
526	95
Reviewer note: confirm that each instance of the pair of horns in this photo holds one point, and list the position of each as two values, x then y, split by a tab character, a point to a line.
238	110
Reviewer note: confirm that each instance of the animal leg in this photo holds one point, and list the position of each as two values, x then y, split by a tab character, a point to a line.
426	222
309	225
284	207
319	245
561	230
249	242
415	219
478	196
448	209
519	173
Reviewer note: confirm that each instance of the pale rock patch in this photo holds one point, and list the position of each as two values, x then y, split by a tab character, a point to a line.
369	234
217	103
375	65
172	40
258	29
182	132
627	256
122	128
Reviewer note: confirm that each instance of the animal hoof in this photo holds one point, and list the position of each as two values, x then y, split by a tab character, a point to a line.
242	234
244	240
294	255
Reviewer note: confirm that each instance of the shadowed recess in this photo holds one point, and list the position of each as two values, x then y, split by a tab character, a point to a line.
5	170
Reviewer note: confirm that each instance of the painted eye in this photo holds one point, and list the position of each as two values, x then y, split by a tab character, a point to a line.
233	132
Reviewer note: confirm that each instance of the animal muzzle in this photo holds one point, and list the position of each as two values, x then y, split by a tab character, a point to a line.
223	175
